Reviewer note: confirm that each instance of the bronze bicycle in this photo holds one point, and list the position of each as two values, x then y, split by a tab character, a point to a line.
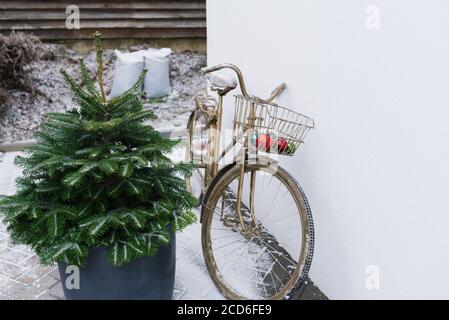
257	228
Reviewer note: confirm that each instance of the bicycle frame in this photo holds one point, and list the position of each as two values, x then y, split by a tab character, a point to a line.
215	127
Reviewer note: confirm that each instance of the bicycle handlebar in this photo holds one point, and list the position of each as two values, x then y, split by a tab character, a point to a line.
210	69
276	92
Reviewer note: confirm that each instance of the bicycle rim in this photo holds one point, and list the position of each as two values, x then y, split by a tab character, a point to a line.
272	260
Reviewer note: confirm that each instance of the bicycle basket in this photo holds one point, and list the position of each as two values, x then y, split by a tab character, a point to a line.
276	129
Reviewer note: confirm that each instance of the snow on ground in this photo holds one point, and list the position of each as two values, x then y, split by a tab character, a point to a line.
192	279
22	114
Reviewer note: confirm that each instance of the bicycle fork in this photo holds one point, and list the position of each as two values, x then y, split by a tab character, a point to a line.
252	185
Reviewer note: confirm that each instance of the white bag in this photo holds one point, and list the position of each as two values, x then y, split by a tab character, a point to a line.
157	79
127	70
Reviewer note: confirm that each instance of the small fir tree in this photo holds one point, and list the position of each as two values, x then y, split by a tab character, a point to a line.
98	177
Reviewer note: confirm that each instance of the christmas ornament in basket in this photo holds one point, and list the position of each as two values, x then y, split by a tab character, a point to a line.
275	129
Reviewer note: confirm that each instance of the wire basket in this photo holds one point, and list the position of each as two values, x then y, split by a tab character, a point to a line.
276	129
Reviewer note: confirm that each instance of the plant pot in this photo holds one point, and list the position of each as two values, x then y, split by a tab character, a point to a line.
148	278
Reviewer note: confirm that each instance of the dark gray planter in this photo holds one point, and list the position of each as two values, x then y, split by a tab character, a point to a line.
145	278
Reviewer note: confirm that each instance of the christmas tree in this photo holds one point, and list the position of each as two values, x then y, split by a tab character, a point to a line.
98	177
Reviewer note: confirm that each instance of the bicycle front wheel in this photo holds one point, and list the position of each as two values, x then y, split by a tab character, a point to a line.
265	251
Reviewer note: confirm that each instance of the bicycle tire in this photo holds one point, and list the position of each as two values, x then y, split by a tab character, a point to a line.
232	170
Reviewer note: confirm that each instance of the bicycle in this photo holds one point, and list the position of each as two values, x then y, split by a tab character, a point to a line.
248	253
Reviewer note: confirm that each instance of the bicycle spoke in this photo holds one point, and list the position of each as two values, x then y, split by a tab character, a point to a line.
228	244
285	217
292	261
261	260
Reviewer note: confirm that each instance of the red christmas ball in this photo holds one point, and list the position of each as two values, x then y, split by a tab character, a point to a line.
282	145
263	142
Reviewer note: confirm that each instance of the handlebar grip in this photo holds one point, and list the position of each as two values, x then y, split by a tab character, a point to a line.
279	89
211	69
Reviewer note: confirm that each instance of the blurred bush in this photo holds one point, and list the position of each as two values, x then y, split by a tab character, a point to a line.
17	51
3	97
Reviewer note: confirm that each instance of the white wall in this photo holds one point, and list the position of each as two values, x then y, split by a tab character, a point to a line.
375	169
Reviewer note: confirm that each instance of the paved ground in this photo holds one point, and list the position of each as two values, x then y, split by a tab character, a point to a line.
22	277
